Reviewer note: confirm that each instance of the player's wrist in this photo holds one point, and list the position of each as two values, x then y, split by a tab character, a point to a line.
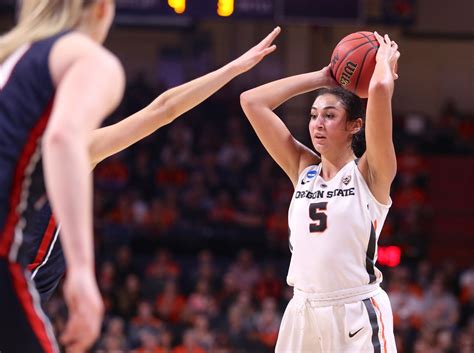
233	68
322	79
82	268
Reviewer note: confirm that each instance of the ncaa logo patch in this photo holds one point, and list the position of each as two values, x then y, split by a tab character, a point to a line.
309	175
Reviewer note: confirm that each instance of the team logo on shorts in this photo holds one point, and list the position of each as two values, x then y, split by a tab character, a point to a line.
310	175
346	180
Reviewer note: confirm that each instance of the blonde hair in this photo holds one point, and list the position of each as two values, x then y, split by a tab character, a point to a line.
40	19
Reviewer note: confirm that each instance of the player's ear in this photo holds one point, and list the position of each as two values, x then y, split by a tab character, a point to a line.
100	8
356	126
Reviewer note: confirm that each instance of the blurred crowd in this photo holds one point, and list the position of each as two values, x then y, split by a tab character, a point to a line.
192	238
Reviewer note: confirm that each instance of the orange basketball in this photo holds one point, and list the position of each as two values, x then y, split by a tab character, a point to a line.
353	62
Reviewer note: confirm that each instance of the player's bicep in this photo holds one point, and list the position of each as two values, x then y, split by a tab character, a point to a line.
379	187
276	138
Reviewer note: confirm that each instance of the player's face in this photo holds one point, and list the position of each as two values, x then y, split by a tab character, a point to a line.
327	126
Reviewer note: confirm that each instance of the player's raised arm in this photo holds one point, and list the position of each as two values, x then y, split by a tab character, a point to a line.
380	159
173	103
258	105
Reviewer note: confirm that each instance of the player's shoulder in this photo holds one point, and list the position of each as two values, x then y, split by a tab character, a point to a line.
75	46
78	45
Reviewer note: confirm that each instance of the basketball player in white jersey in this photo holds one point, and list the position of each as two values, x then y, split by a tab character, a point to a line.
337	210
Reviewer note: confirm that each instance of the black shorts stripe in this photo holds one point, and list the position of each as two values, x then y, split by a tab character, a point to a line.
289	241
370	256
374	324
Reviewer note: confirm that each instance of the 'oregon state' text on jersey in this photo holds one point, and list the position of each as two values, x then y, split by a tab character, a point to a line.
334	228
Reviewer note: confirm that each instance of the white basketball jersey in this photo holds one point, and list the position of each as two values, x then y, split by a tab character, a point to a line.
334	228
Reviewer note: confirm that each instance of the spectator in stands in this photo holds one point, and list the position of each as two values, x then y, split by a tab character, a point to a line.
267	322
244	271
440	307
205	338
114	338
189	344
144	320
149	342
170	303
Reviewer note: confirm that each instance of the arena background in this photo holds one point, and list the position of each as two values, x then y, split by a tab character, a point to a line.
191	227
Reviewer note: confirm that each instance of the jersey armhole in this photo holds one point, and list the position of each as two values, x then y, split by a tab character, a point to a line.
372	197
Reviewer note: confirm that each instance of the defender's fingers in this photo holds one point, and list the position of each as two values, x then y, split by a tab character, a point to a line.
269	50
270	37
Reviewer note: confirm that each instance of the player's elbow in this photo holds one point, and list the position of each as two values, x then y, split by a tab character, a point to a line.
163	109
381	87
55	136
244	99
58	139
247	101
168	111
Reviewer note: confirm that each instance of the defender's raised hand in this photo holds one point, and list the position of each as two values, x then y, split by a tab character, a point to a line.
254	55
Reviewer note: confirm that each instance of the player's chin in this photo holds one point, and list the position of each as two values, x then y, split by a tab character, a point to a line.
319	146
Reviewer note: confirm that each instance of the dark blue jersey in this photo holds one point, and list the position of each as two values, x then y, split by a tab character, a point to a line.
26	98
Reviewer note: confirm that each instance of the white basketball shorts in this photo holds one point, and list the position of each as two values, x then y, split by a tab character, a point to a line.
350	326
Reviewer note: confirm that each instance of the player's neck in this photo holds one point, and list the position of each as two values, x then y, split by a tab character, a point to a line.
331	165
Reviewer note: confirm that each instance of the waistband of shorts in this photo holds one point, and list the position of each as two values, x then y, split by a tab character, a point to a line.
342	296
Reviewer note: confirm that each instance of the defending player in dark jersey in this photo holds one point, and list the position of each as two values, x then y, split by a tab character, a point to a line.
47	63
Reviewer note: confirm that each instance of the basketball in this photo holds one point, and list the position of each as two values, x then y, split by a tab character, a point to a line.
353	62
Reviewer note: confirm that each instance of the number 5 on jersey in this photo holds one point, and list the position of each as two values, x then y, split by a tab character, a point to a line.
317	214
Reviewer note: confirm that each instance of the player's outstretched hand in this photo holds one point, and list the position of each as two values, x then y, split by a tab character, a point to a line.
86	310
254	55
388	51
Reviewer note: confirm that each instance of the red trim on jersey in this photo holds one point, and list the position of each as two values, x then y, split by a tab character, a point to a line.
45	244
6	238
381	324
37	324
